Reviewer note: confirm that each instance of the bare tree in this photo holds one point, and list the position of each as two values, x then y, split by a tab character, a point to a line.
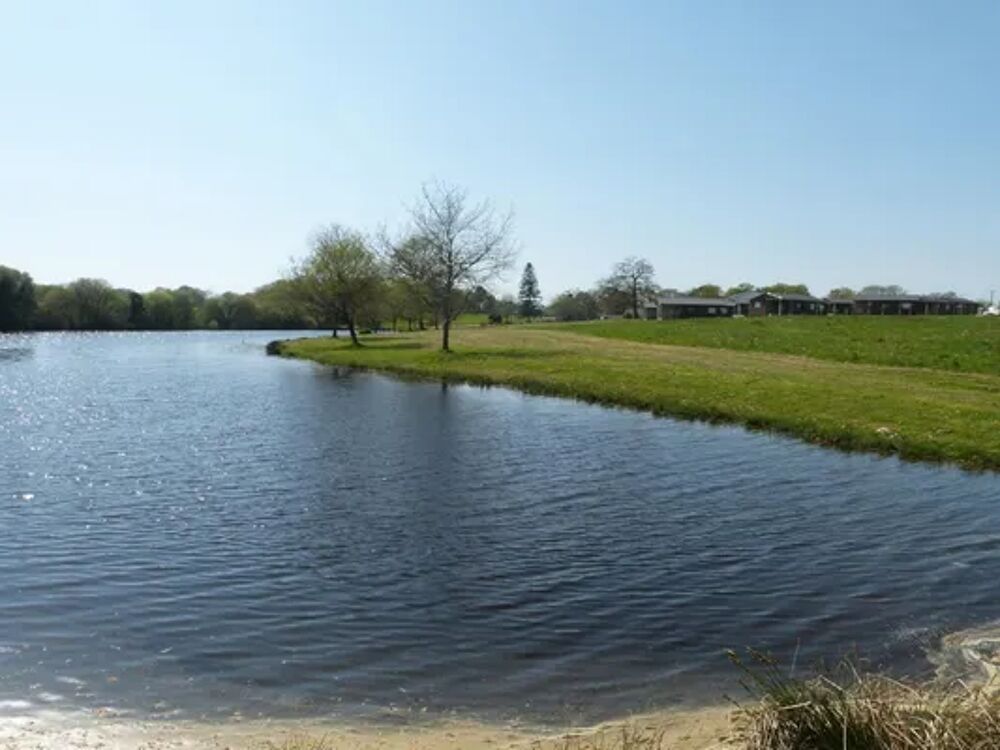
452	247
634	277
340	278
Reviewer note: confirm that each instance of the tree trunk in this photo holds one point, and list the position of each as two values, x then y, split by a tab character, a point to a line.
335	330
635	301
354	334
445	334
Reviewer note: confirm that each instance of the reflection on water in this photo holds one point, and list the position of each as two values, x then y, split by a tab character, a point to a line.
189	526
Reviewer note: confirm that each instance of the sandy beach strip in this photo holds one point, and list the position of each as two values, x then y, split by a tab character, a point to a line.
701	729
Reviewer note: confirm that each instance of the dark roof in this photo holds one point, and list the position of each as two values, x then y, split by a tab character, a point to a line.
706	301
838	301
797	297
744	297
888	298
913	298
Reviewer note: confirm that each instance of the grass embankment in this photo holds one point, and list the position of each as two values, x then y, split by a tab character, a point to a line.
919	414
959	343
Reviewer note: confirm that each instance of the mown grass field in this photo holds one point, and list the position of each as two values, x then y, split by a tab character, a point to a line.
914	412
959	343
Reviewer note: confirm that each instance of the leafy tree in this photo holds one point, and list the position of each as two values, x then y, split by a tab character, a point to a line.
782	288
341	277
57	310
98	307
280	306
841	292
529	297
575	304
159	306
740	289
890	290
136	309
453	246
706	290
632	277
17	300
507	307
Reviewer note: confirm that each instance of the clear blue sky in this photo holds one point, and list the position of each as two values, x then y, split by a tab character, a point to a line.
833	143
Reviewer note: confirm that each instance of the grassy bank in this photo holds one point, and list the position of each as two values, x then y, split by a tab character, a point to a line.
919	414
956	343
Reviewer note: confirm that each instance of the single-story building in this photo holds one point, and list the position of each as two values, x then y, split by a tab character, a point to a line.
758	303
694	307
913	304
839	306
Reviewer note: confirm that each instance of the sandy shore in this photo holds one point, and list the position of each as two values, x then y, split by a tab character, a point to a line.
682	730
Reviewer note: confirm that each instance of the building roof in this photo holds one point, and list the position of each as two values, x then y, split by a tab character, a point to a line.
744	297
691	301
797	297
838	301
913	298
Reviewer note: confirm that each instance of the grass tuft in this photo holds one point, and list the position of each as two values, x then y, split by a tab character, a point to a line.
860	712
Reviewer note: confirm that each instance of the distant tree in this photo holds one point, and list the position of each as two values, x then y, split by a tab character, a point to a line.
230	311
706	290
136	309
452	247
575	304
506	307
341	277
481	300
740	289
890	290
945	295
57	309
17	300
159	305
529	297
781	288
842	292
278	305
633	277
611	299
98	307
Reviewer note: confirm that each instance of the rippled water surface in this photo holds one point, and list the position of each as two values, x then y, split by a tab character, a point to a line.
188	526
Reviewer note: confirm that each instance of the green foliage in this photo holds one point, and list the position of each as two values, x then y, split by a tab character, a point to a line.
842	292
706	290
529	296
341	279
17	300
963	343
782	288
575	304
883	289
739	289
918	414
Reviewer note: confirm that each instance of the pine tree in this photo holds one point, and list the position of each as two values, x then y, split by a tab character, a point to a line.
529	296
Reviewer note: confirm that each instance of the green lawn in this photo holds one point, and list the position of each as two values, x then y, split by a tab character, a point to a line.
921	414
960	343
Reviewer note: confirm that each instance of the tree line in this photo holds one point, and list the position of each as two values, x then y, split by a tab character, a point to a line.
93	304
439	266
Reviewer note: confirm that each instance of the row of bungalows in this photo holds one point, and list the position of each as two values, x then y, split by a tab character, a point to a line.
759	303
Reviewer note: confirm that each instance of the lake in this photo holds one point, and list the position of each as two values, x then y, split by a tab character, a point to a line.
191	528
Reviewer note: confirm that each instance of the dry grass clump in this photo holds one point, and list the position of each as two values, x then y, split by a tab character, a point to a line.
861	712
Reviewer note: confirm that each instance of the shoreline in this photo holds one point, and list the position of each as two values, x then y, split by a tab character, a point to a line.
914	414
689	729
